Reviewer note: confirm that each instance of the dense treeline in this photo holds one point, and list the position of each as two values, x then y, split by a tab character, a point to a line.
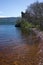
33	15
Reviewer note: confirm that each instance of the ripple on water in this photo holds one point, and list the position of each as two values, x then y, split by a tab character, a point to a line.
16	48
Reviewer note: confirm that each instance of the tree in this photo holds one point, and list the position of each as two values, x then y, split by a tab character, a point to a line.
34	13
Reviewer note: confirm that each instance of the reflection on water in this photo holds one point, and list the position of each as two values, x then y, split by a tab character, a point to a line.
17	48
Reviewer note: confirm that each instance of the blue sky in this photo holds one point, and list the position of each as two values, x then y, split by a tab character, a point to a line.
13	8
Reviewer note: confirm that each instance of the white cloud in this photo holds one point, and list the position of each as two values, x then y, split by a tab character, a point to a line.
4	16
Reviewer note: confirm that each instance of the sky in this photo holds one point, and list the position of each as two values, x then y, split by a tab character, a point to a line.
13	8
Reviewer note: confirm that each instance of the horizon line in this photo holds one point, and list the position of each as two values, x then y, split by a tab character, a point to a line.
8	16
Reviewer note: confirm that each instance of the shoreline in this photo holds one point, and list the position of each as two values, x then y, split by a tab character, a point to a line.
39	34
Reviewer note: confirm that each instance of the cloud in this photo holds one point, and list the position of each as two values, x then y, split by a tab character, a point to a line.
4	16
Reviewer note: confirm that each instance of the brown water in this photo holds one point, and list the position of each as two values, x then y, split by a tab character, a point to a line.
17	48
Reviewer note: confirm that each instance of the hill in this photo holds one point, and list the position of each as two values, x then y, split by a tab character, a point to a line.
8	20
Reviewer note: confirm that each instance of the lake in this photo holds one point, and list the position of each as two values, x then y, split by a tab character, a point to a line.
17	48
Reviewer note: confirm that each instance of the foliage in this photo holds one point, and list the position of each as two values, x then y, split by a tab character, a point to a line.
18	23
32	17
24	25
34	14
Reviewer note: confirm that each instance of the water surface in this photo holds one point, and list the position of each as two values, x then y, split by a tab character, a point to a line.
17	48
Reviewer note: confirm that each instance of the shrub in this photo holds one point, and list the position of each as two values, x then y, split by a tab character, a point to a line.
25	26
18	23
